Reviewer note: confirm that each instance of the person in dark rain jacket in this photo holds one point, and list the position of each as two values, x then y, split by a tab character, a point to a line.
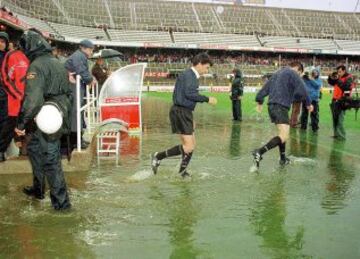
46	81
237	89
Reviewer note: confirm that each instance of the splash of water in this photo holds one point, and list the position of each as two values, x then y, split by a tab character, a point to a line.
253	169
301	160
141	175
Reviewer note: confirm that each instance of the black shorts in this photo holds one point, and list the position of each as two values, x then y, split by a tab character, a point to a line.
181	120
278	114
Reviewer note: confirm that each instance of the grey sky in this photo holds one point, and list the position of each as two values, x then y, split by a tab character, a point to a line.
330	5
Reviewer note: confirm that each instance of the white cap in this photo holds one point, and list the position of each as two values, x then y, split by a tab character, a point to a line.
49	119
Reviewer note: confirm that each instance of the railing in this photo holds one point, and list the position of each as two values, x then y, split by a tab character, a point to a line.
90	110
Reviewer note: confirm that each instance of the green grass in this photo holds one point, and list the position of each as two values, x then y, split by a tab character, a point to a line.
248	105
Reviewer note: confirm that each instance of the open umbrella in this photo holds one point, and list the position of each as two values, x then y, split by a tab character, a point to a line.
107	53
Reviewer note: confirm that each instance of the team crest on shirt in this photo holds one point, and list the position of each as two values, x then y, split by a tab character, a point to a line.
30	75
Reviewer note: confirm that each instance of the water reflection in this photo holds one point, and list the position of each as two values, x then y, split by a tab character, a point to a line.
268	218
234	147
182	215
113	217
341	176
303	143
309	144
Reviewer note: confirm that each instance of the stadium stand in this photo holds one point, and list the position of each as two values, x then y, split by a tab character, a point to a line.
301	43
44	10
121	13
37	23
161	15
349	45
216	38
78	31
184	25
85	13
140	36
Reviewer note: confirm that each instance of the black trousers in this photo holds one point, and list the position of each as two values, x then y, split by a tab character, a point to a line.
236	109
314	116
7	133
45	158
3	108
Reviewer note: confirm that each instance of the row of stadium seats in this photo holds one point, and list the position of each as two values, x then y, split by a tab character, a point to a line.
192	17
216	38
139	36
162	37
301	43
79	32
191	38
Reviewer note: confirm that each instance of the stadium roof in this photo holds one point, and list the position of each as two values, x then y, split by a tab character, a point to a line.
326	5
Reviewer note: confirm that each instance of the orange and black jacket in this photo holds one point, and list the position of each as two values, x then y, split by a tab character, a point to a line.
342	86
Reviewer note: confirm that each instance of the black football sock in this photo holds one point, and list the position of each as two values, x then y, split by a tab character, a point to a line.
282	148
185	162
275	141
174	151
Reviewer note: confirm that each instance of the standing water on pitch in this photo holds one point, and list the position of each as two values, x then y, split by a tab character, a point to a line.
309	208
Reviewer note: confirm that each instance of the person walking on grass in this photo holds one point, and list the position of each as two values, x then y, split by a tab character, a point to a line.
185	98
282	88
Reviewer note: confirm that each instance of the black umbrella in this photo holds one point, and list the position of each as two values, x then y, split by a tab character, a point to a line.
107	53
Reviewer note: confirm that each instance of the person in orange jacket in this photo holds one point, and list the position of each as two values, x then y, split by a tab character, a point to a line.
13	74
343	83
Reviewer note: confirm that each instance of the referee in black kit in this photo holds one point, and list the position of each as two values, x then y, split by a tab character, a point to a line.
185	96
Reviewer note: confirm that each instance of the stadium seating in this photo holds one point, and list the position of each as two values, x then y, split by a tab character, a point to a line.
122	13
300	43
78	32
139	36
40	9
37	23
216	38
349	45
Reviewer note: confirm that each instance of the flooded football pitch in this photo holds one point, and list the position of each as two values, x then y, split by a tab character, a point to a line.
308	209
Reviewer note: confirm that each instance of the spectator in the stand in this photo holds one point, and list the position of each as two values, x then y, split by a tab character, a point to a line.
313	86
77	64
100	71
4	44
13	73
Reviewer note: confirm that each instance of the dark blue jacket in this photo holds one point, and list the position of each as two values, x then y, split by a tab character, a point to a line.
284	87
77	63
237	86
186	92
